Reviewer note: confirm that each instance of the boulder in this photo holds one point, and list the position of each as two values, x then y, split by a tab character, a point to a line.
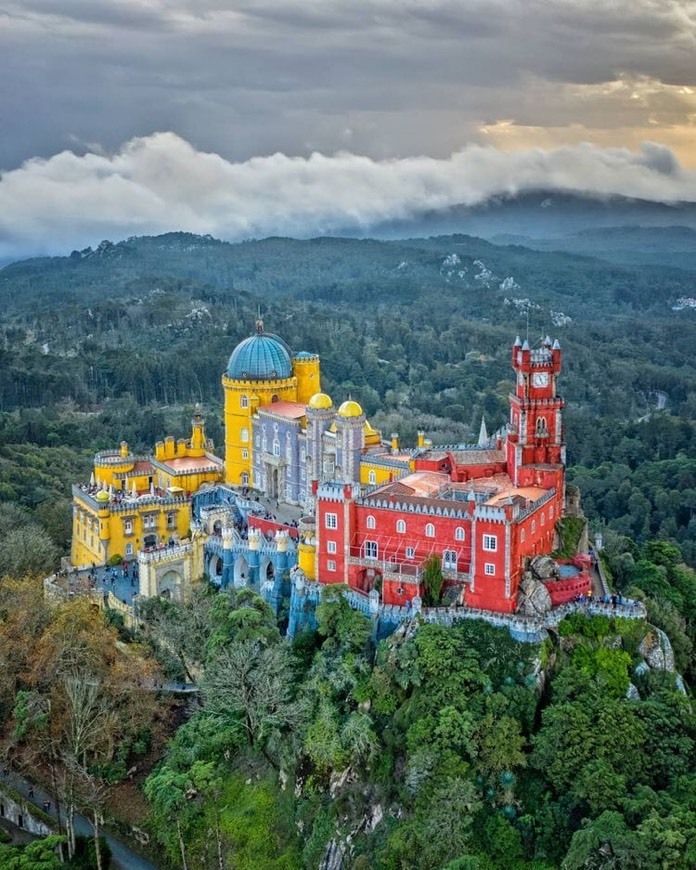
334	856
632	693
657	651
533	598
544	567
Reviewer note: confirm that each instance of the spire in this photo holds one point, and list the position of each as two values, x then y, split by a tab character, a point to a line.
483	433
259	325
556	345
525	346
198	441
518	342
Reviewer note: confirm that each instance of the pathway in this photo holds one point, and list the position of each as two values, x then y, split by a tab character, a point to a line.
124	858
113	580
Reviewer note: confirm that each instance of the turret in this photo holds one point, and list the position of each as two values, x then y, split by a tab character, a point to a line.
254	539
198	440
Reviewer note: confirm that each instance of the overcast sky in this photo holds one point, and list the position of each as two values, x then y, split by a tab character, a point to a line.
383	79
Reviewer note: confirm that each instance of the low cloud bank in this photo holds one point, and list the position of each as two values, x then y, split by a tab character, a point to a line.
160	183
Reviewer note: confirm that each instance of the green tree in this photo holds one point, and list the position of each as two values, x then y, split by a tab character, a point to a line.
433	582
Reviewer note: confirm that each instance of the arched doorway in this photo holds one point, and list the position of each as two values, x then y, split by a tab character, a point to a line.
170	585
241	572
150	541
217	528
267	571
216	568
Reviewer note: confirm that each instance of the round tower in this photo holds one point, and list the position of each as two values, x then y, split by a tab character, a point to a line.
350	440
259	372
320	416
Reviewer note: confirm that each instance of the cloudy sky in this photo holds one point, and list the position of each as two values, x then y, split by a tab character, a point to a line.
425	94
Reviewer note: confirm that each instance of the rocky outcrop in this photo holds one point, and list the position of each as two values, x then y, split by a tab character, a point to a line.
334	857
632	693
657	650
533	597
544	567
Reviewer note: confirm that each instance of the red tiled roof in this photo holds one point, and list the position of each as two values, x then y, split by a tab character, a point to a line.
292	410
478	457
190	464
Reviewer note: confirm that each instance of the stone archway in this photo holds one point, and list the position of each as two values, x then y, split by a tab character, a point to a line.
216	566
241	571
169	585
267	570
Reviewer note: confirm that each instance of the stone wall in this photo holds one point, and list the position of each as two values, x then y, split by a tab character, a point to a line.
20	812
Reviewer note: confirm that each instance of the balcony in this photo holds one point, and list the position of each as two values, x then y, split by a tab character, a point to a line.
406	572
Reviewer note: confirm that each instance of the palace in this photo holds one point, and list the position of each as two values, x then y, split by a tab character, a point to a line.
310	494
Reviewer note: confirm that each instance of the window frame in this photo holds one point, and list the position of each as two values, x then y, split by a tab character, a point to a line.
330	521
489	540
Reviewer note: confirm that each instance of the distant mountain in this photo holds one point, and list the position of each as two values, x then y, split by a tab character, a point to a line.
538	214
630	245
478	274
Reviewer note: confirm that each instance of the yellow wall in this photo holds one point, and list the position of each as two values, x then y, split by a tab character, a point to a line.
187	482
382	474
308	377
100	533
306	559
238	418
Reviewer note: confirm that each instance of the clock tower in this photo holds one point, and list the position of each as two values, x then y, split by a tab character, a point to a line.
535	438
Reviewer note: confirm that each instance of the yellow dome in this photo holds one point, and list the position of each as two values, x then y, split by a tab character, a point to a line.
369	430
320	400
350	409
103	496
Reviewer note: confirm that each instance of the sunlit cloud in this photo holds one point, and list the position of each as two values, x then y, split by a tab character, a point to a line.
161	182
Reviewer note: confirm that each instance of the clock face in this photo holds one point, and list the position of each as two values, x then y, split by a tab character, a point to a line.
540	379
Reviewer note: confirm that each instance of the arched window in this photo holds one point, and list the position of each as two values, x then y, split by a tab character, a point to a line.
541	428
543	518
449	560
522	536
430	531
370	549
459	534
533	526
245	478
551	512
371	523
244	436
276	448
244	401
400	526
372	477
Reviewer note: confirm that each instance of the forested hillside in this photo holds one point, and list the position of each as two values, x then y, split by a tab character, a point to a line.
453	748
120	342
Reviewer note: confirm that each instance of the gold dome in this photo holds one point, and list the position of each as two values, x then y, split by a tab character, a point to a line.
320	401
103	496
369	429
350	409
